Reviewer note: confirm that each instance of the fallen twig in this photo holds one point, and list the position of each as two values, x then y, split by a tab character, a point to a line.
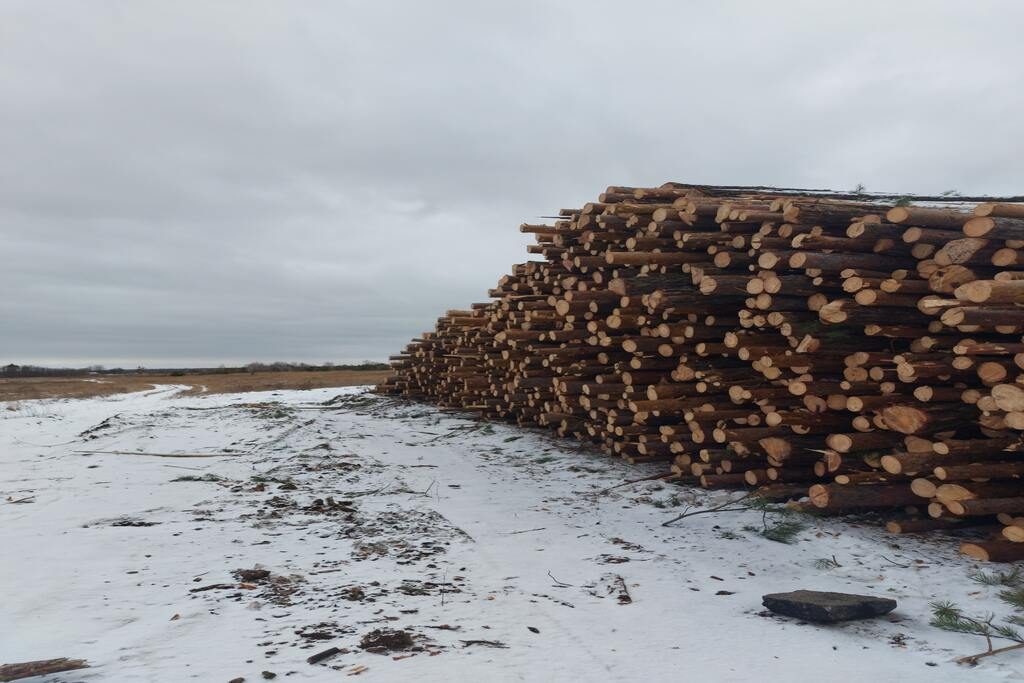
488	643
897	564
213	586
560	584
523	531
159	455
425	492
652	477
724	507
973	659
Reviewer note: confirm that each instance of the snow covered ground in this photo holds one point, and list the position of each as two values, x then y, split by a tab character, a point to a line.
498	549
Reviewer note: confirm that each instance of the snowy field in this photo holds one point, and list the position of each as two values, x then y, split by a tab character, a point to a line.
499	550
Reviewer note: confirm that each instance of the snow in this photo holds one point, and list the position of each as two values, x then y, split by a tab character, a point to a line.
493	532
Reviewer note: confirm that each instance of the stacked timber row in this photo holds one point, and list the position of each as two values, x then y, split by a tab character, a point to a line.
862	351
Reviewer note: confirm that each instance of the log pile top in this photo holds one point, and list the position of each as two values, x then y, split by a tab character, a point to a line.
855	352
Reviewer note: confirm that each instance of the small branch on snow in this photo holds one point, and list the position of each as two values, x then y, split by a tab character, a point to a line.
524	531
488	643
652	477
560	584
897	564
973	659
724	507
159	455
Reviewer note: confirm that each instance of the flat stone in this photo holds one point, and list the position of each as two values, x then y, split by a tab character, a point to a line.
827	607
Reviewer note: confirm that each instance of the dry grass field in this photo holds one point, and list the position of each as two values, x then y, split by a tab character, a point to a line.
19	389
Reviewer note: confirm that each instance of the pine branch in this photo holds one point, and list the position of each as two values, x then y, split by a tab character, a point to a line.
949	617
1013	597
784	531
973	659
735	505
1011	579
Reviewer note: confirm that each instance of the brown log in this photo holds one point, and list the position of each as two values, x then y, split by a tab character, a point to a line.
1001	210
913	463
927	216
859	441
976	507
991	291
920	525
1000	228
777	492
42	667
969	490
832	497
993	551
992	470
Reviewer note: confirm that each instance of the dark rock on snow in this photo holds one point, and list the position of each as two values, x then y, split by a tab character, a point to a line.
827	607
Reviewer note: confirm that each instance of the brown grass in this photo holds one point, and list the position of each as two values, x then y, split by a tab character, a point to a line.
104	385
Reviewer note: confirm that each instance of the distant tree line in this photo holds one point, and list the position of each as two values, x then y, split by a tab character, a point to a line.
290	367
15	370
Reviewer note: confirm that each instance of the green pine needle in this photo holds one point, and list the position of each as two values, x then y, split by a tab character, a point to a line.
1010	579
949	617
1007	632
1013	597
784	531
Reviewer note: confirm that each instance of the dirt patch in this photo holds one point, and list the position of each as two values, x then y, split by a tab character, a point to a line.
252	575
132	521
28	388
383	640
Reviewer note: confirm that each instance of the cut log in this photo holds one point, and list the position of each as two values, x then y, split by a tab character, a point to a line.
993	551
832	497
1000	228
42	667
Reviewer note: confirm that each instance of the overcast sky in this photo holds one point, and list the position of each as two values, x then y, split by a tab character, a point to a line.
197	183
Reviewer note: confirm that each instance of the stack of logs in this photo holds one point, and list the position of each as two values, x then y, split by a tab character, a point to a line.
861	351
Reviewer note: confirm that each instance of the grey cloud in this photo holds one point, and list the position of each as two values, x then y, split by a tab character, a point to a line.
222	182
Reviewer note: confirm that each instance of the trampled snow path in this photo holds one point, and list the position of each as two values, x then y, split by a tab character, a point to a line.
370	514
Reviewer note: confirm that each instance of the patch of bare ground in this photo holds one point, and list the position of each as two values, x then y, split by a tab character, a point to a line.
26	388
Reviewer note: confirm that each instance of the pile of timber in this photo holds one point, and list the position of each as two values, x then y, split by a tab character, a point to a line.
862	352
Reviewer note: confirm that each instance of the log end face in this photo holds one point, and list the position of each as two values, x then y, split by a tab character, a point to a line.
897	214
818	493
974	551
978	226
